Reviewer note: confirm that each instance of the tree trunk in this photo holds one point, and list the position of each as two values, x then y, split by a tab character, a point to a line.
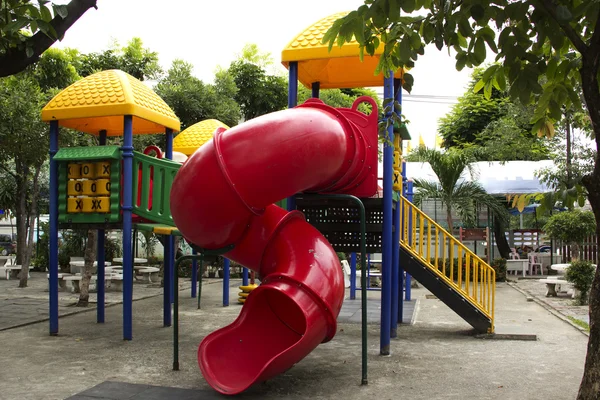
21	216
575	254
590	383
449	218
89	258
27	254
569	155
500	236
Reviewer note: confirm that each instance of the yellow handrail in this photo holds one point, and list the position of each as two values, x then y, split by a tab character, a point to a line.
472	277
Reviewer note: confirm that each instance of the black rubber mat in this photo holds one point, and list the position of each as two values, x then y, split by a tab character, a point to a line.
111	390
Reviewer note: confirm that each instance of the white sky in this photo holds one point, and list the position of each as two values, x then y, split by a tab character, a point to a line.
211	33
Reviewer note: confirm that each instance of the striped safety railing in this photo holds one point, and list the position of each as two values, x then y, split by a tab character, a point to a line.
447	257
152	183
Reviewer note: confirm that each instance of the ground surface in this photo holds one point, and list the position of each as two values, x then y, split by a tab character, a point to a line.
435	358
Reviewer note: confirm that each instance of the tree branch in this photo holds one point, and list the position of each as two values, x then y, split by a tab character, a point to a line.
14	62
567	29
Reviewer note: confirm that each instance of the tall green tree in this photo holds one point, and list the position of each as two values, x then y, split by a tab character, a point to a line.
546	49
22	135
193	100
138	61
29	28
453	192
493	129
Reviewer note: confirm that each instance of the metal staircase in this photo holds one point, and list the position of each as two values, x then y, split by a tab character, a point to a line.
447	268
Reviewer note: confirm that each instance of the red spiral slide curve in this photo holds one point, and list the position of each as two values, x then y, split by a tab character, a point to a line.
223	195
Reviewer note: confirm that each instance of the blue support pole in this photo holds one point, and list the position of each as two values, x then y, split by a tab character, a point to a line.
194	275
400	269
292	102
127	207
244	276
100	282
170	240
352	276
316	88
386	264
396	287
167	282
409	196
53	256
226	265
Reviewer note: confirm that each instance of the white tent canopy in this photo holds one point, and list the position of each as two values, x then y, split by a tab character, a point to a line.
511	177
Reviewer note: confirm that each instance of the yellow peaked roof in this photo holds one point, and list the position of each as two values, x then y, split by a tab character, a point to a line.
99	102
340	68
190	139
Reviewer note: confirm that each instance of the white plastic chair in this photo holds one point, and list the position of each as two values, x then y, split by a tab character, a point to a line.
347	272
534	265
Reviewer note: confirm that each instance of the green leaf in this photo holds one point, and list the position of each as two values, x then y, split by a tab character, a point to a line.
46	15
551	69
487	90
29	51
478	86
563	14
479	50
359	30
477	12
408	6
61	10
394	9
500	79
407	82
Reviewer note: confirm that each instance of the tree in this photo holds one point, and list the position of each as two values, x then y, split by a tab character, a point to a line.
341	97
258	93
546	49
22	135
494	129
464	197
28	30
194	101
572	228
137	61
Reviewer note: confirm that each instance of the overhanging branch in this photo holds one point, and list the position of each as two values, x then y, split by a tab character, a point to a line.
16	61
577	41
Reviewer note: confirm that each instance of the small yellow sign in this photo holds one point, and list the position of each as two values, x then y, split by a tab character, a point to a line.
103	169
74	171
88	170
74	187
102	187
74	204
96	204
397	183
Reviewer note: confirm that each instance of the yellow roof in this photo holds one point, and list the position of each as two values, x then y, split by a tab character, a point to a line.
190	139
99	102
340	68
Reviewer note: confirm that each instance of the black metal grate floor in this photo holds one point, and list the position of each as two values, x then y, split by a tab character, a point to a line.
111	390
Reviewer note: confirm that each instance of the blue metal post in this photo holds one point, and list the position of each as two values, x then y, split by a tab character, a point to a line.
127	207
316	87
53	261
226	265
100	282
409	196
386	262
400	269
292	102
244	276
396	288
194	275
170	239
352	276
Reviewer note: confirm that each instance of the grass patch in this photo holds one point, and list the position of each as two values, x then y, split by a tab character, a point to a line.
580	323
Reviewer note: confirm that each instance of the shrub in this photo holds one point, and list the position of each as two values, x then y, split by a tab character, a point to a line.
499	265
571	227
581	275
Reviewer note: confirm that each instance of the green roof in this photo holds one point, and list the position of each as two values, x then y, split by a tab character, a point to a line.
88	153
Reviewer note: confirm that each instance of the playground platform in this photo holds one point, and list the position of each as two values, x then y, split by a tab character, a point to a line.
436	357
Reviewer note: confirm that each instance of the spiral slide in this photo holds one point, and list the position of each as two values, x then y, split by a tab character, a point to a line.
223	196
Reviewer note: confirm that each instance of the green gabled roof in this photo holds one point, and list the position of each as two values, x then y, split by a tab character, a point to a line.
88	153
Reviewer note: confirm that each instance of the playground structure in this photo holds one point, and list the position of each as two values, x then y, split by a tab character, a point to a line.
309	148
93	187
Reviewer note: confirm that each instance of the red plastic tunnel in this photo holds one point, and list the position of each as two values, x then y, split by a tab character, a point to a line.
223	195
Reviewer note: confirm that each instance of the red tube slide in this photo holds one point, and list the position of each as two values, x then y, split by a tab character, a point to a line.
223	195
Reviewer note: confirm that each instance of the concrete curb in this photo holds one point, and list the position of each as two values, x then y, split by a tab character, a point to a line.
548	308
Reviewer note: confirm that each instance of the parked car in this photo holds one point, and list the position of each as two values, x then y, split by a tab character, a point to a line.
7	245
